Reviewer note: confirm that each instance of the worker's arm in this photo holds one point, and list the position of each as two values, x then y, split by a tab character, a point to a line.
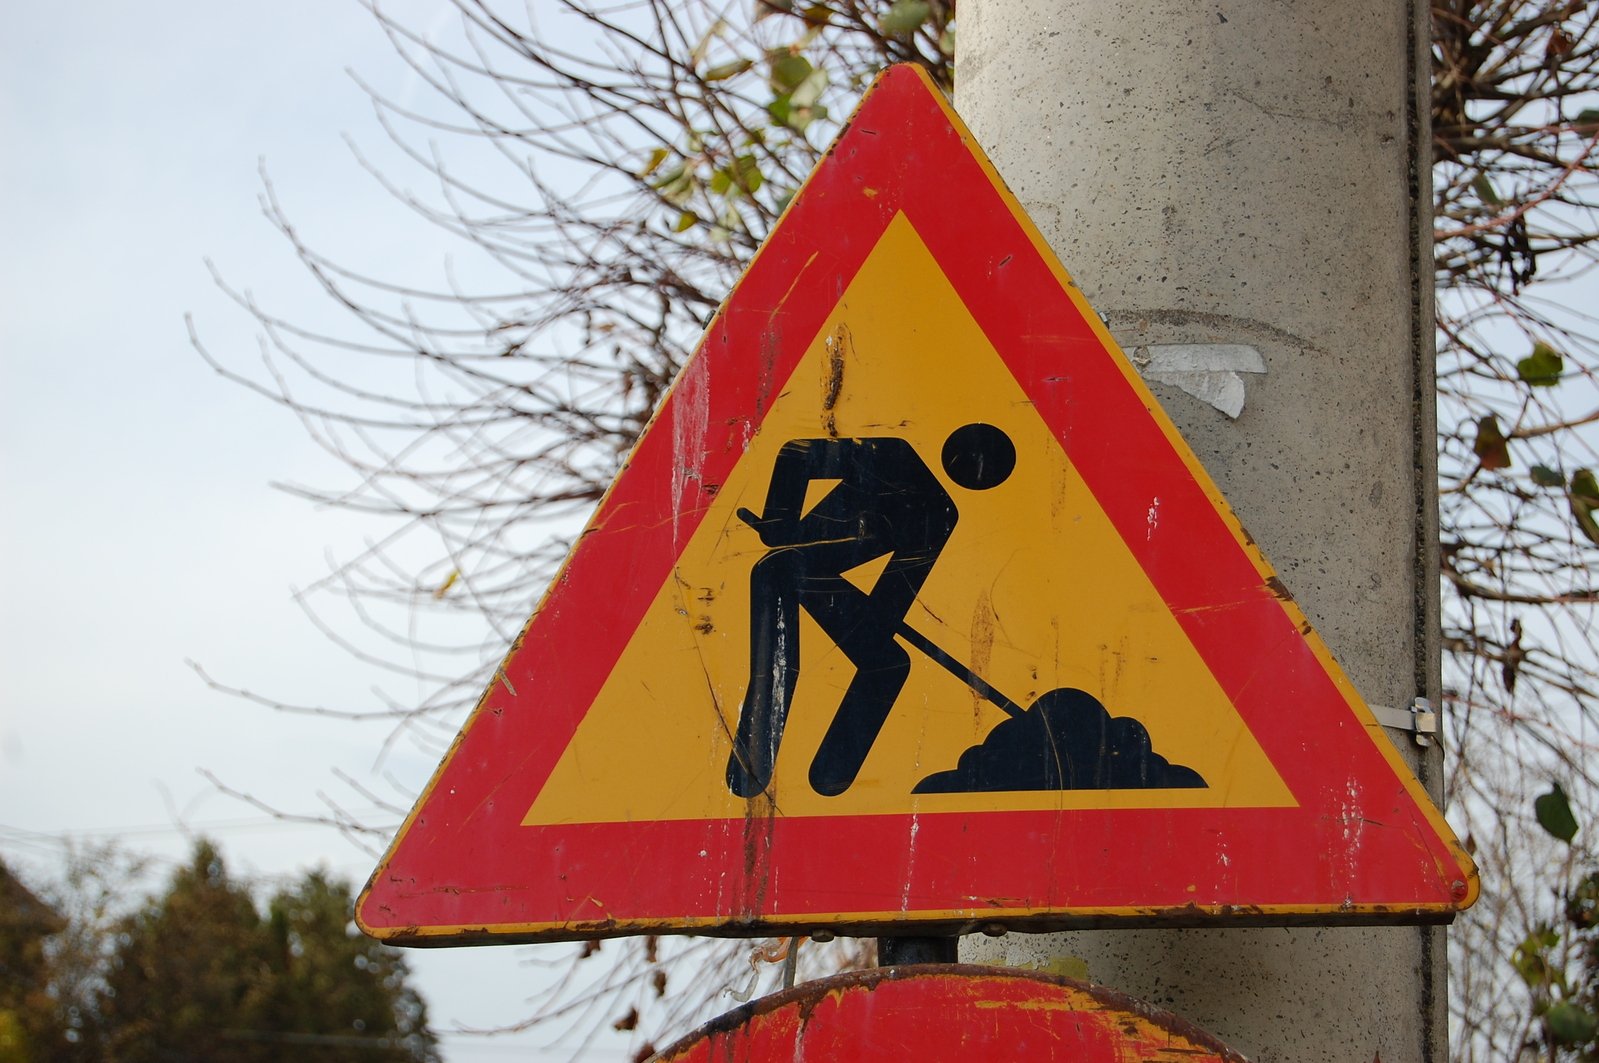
779	525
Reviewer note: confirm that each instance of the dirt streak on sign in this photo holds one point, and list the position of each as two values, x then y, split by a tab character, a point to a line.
911	607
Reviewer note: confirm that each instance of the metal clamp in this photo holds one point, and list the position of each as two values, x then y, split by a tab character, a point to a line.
1420	720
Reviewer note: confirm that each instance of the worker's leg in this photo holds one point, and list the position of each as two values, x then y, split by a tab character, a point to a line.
774	669
881	668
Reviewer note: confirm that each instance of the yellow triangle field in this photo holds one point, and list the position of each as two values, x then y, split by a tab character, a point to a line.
1034	590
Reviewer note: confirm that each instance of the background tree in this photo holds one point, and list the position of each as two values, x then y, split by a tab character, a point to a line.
188	969
1558	959
27	1017
610	169
197	972
99	888
336	987
1514	154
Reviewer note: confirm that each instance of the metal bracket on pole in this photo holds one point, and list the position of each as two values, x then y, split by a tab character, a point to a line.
894	951
1420	720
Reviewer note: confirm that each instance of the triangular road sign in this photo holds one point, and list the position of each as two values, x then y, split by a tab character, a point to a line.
912	608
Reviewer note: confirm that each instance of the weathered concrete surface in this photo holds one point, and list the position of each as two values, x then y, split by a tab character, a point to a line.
1244	172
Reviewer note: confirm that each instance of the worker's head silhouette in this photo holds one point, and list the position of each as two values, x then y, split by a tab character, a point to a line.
979	456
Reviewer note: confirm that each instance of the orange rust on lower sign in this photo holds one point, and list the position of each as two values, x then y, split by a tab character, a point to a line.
950	1012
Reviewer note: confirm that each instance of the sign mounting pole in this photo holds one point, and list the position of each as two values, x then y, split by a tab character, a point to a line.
1258	233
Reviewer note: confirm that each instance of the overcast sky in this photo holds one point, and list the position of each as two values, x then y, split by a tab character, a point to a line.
138	528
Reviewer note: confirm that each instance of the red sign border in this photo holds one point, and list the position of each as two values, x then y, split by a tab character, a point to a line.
1363	845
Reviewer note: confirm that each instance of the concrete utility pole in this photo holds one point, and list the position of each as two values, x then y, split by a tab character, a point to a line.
1255	175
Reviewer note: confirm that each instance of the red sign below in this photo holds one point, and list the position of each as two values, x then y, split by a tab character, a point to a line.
942	1013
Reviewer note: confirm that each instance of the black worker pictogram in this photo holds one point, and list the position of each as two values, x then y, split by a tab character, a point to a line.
886	501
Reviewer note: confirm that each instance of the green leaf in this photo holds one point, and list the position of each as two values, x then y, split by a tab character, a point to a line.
723	71
904	16
788	71
1485	190
747	173
1582	903
1584	495
1542	367
1570	1024
1554	813
946	42
675	186
1530	958
1491	447
817	14
807	92
785	113
1544	476
658	156
1584	488
741	176
686	221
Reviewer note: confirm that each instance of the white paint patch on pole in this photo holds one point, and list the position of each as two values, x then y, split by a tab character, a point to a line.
1207	371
